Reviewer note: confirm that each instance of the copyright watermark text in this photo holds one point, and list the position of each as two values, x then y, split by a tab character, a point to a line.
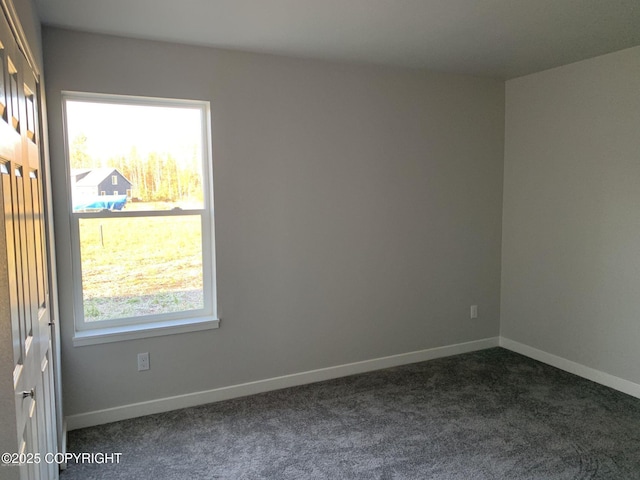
8	459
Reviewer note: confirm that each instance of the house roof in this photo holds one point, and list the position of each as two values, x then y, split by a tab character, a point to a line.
96	176
79	171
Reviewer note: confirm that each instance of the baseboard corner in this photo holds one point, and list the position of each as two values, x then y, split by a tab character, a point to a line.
598	376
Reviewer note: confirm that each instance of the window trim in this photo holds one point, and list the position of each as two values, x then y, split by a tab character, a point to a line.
103	331
157	329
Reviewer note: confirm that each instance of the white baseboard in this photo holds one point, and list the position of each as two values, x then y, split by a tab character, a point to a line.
583	371
99	417
124	412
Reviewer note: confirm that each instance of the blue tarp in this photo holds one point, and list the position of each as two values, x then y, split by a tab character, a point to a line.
103	202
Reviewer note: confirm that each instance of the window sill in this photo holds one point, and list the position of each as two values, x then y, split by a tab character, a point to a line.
132	332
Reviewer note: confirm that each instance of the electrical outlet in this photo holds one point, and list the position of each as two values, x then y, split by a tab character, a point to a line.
143	361
474	311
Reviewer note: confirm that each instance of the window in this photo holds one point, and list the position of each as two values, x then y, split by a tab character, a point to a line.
142	265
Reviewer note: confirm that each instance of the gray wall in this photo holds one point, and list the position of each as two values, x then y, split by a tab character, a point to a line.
571	231
358	212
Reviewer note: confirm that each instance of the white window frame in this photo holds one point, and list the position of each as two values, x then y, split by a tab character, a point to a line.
103	331
114	179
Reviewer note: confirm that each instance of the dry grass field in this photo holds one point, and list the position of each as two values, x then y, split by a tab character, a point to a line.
140	266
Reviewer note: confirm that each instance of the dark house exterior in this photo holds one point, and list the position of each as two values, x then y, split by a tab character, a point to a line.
90	183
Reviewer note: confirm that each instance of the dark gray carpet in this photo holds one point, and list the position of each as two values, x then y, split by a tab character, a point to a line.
492	414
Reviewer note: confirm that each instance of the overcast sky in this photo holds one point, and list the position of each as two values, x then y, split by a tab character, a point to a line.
112	129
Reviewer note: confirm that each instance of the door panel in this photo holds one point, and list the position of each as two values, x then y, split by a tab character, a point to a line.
46	414
22	227
5	194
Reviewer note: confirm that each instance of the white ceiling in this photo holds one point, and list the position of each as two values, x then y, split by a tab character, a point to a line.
500	38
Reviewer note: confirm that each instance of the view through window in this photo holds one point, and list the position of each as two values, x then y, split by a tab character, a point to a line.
141	208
